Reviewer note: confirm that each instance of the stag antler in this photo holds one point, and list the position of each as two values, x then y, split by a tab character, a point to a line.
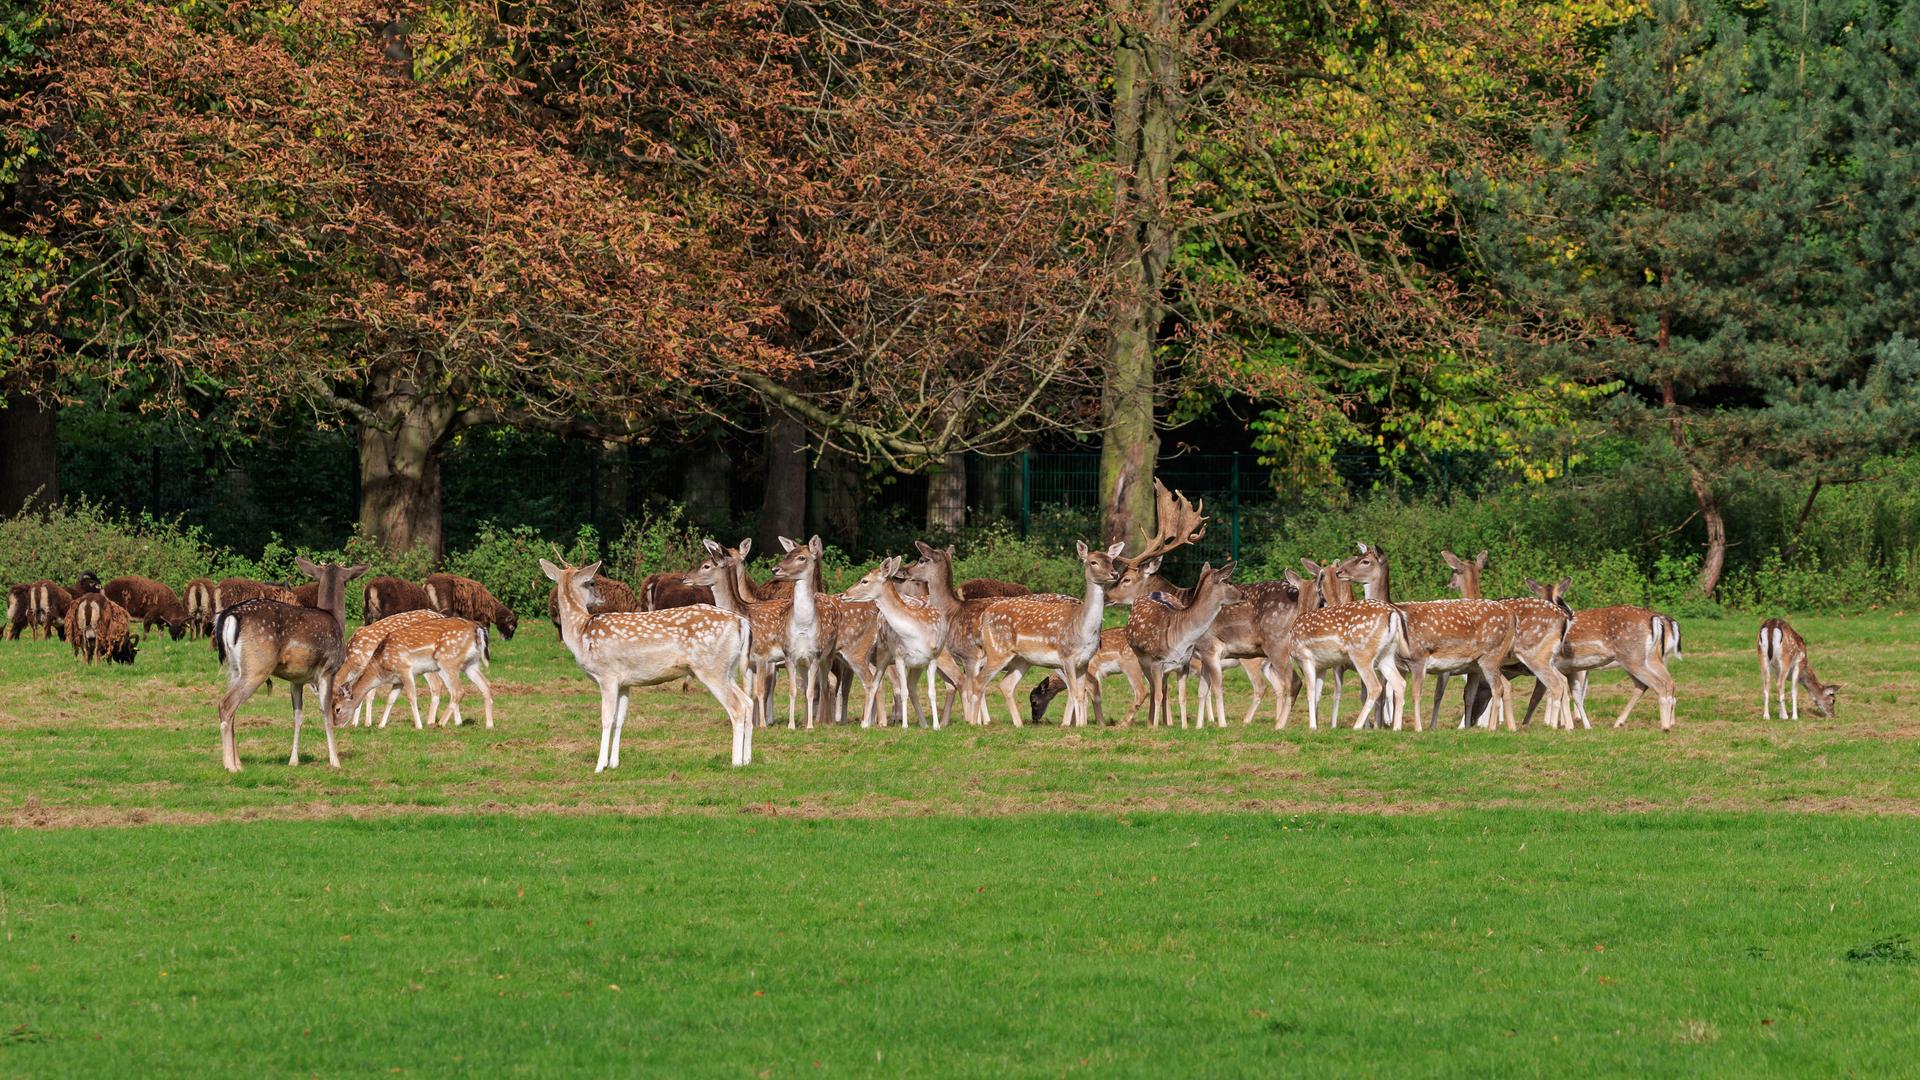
1177	523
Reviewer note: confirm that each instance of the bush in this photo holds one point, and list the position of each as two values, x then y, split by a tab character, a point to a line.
62	541
507	562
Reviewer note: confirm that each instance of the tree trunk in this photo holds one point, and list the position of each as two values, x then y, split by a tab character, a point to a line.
840	497
1800	523
947	495
1146	108
400	498
29	454
783	509
1703	494
708	492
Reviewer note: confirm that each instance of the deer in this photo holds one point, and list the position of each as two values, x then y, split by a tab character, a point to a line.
1234	637
959	621
384	597
1113	656
1444	636
359	652
1366	635
1783	660
813	627
625	649
150	602
916	640
261	639
667	590
1020	632
614	595
720	573
1635	638
1540	626
199	600
1164	637
468	599
98	629
441	645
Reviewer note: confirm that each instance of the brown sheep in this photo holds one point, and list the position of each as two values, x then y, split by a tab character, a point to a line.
982	587
233	590
150	602
200	609
386	596
615	596
19	611
98	629
47	608
666	590
87	582
468	599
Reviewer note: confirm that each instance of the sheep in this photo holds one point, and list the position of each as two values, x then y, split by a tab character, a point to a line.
468	599
150	602
200	609
47	608
19	611
610	595
98	629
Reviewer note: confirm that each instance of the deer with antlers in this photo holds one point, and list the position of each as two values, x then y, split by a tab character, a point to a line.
1783	660
1443	636
1634	638
262	639
622	650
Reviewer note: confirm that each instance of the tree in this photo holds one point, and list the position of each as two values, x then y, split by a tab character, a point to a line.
270	209
29	464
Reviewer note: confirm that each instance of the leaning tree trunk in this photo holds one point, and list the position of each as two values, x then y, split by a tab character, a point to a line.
1703	494
400	497
29	454
1145	136
783	509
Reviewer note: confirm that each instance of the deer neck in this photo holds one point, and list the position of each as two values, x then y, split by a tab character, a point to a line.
726	590
940	594
806	602
1378	587
1093	608
573	624
1470	586
1190	624
903	620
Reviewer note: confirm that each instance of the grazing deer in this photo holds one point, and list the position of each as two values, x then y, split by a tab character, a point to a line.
443	646
614	595
1164	637
466	598
1634	638
1365	635
1539	629
200	608
1443	636
359	652
917	639
385	597
1113	656
622	650
813	627
1020	632
233	590
98	629
1783	660
150	602
262	639
720	573
48	602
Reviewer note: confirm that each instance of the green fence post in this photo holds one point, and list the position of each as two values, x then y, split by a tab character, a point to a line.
1026	492
1233	542
593	495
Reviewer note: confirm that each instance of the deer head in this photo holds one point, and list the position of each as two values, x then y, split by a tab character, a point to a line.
1465	578
874	581
1369	568
800	560
333	580
576	582
1555	593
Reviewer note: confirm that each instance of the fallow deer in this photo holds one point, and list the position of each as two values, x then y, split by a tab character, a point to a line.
1164	637
441	646
1021	632
262	639
359	652
1443	636
959	621
1783	660
916	642
1539	628
621	650
149	602
1365	635
99	629
384	597
1635	638
720	574
813	627
1234	637
234	590
1113	656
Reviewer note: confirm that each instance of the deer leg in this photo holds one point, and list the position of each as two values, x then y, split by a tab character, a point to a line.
239	689
793	689
619	725
1766	685
1633	698
1395	693
813	688
298	688
413	701
479	678
1180	680
1339	688
1311	673
1793	680
326	720
1577	701
1371	681
452	679
1258	676
609	707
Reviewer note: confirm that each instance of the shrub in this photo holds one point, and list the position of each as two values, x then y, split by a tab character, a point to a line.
62	541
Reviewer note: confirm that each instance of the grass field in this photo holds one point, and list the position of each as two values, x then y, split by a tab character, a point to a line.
1731	897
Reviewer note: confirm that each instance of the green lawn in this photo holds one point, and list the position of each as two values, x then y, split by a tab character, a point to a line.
1728	898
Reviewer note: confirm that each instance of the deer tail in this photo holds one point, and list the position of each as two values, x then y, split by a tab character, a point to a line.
486	652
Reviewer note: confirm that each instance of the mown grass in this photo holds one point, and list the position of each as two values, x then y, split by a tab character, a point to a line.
1730	898
1448	945
139	744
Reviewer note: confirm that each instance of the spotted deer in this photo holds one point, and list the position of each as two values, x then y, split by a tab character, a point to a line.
1539	629
1366	635
1022	632
917	640
1443	636
442	646
1164	637
1636	639
262	639
959	621
1235	636
720	574
1783	660
359	652
813	628
1113	656
622	650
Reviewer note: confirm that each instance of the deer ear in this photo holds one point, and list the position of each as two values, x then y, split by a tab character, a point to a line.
787	545
1450	558
746	546
553	572
1114	550
307	566
1226	569
589	571
1292	579
1480	560
1080	548
712	546
815	545
1310	566
354	572
1534	586
1150	567
925	551
1560	587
